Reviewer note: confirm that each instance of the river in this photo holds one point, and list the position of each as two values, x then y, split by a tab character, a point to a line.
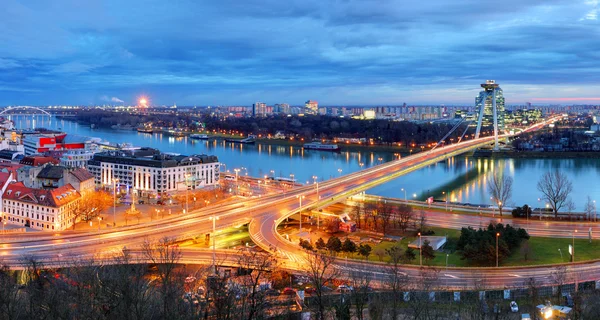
464	178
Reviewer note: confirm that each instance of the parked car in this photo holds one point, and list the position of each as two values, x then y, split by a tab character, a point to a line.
309	290
514	307
344	288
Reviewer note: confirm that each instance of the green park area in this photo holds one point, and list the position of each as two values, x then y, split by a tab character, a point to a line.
535	251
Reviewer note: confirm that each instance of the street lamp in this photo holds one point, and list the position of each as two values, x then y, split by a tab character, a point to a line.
237	184
115	201
340	172
402	189
361	165
316	181
272	173
186	176
420	250
573	249
497	236
300	209
214	235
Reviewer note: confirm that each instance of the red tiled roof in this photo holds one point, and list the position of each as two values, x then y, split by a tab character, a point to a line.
10	167
51	198
82	174
38	161
4	178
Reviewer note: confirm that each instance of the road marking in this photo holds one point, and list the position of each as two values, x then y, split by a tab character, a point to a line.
451	276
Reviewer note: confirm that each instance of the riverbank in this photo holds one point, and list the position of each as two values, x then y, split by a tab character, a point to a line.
505	154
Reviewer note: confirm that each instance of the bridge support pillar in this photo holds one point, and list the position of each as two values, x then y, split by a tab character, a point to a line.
490	91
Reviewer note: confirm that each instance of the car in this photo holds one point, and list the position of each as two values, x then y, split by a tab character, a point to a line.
309	290
289	291
344	288
514	307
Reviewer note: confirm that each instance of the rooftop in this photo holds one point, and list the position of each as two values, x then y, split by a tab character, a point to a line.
150	157
50	198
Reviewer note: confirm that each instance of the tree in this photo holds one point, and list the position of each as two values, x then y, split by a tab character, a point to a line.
305	244
357	213
91	204
349	246
398	280
334	244
427	251
320	271
409	255
405	216
165	254
364	250
590	208
500	188
526	251
360	281
320	244
421	223
257	266
555	188
386	212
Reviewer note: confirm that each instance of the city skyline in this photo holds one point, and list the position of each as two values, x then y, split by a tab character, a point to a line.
336	53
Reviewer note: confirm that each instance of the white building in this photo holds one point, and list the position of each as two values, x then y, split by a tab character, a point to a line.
151	172
40	209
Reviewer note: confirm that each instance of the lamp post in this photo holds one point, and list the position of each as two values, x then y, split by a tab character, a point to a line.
497	236
420	250
115	201
237	184
446	199
186	192
340	172
316	181
361	165
573	249
300	209
214	235
595	214
402	189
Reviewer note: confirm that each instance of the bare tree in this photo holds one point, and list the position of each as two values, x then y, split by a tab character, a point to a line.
590	208
259	266
357	213
500	188
385	214
555	187
405	216
320	271
165	255
397	280
360	281
11	301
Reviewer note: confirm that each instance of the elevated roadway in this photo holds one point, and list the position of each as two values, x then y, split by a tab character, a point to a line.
263	215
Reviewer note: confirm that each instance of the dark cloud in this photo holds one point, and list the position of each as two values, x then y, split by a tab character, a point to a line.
336	51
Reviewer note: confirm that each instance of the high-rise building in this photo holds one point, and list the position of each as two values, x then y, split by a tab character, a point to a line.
259	109
312	106
488	112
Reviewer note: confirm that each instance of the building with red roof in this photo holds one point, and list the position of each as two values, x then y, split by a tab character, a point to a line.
48	210
38	160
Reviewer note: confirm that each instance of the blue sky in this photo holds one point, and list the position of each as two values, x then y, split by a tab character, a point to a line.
338	52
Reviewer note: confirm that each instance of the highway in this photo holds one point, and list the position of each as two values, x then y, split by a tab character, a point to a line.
263	215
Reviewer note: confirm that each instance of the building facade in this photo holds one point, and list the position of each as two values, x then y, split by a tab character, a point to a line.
259	109
148	171
311	106
40	209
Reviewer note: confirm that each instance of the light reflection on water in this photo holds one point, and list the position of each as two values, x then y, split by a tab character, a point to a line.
463	178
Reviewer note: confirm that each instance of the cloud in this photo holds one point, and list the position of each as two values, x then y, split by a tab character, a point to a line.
111	99
339	52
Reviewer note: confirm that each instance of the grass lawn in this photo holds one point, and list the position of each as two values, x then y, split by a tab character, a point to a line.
543	251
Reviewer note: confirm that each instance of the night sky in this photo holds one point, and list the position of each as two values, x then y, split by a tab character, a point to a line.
235	52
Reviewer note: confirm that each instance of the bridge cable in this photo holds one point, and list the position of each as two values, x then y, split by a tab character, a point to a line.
448	134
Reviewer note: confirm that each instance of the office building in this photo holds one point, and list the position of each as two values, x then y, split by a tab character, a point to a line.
259	109
311	106
149	171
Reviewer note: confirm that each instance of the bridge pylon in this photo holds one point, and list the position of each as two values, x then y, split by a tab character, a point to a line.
490	89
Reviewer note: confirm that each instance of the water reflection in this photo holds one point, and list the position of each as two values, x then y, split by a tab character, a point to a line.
464	179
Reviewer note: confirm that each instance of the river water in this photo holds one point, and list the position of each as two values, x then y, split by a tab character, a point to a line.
463	178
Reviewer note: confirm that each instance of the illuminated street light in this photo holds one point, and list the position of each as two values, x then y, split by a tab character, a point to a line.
214	236
420	250
115	201
300	209
402	189
497	235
